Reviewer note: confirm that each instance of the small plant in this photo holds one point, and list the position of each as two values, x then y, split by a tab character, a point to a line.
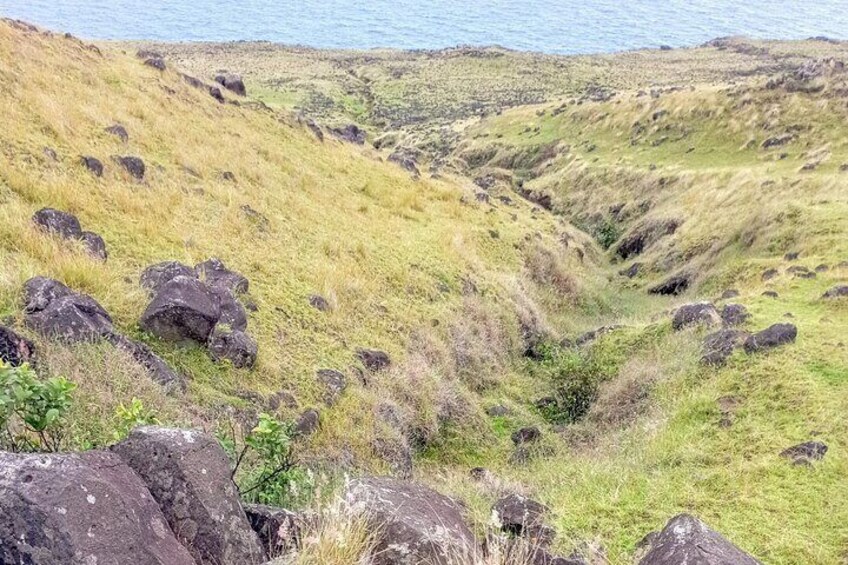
32	410
576	377
132	416
265	471
607	233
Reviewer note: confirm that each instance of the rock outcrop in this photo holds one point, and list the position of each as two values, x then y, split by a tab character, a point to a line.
700	313
55	311
81	508
685	539
188	475
413	523
838	291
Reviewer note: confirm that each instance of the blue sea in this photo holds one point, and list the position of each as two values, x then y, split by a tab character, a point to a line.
553	26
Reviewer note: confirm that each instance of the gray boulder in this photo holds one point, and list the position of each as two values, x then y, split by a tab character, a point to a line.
234	346
699	313
95	245
118	131
133	165
93	164
413	523
80	508
771	337
156	276
308	423
188	475
214	273
60	223
685	539
15	350
54	310
183	309
233	313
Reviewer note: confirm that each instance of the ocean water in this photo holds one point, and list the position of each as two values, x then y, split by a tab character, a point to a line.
553	26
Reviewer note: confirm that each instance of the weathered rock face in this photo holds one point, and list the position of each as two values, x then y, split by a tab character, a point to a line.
188	475
373	359
838	291
81	508
54	310
234	346
279	530
734	314
61	223
685	539
414	524
214	273
155	276
771	337
15	350
700	313
521	516
718	346
232	82
183	309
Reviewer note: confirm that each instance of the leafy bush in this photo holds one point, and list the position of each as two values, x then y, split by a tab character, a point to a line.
607	233
265	471
576	377
132	416
32	410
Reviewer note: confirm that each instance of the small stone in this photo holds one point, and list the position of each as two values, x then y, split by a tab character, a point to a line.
95	245
805	453
374	359
93	164
119	131
319	303
307	424
529	434
234	346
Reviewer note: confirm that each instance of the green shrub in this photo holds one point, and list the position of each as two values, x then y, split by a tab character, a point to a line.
32	410
606	233
132	416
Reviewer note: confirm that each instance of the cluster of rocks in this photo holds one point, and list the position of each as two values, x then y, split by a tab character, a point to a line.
133	166
67	226
719	345
201	305
54	311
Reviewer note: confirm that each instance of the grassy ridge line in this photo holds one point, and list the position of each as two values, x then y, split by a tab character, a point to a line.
389	253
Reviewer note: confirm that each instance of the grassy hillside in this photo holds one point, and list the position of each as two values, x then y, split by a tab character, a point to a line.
456	281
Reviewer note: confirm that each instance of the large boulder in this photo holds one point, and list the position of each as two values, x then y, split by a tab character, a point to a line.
771	337
699	313
15	350
61	223
685	539
413	523
81	508
54	310
154	277
214	273
183	309
188	474
234	346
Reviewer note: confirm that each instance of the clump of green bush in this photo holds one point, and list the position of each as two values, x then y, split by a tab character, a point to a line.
32	410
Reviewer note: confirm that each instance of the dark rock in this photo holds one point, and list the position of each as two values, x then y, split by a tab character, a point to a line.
282	399
54	310
80	508
718	346
228	176
214	273
373	359
15	350
699	313
805	275
792	256
644	236
770	294
592	335
234	346
777	141
406	162
232	82
161	373
769	274
351	133
413	523
279	530
631	271
119	131
60	223
805	453
155	276
215	93
188	474
233	313
308	423
529	434
771	337
520	516
183	309
685	539
497	411
822	268
93	164
156	63
95	245
837	292
319	302
479	473
729	293
734	314
133	165
334	382
672	286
